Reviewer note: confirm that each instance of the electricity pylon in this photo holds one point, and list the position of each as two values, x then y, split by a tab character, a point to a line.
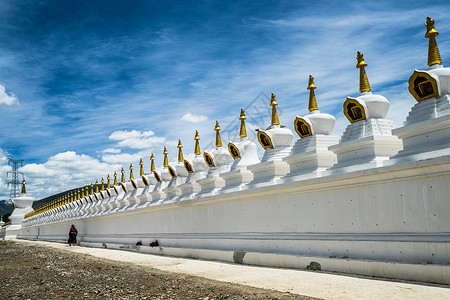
15	182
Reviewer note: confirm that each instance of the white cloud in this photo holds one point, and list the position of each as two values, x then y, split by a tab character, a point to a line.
142	143
124	158
124	134
65	171
5	98
193	118
111	150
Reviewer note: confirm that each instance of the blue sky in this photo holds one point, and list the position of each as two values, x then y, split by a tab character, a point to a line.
90	86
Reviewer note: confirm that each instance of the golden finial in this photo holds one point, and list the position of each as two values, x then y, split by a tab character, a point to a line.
123	176
131	172
141	164
115	178
242	130
96	186
180	151
24	190
364	85
166	161
92	189
87	190
108	185
433	51
218	139
312	96
197	143
103	185
71	197
152	164
78	193
273	103
82	192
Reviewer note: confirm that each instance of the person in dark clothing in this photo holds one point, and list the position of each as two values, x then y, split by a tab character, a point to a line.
73	232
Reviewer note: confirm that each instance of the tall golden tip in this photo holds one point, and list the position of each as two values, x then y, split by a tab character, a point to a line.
180	152
312	105
218	139
96	181
361	62
311	85
196	137
24	190
431	30
131	172
217	127
197	143
179	144
131	166
102	181
141	162
273	103
273	100
115	174
122	171
242	130
165	161
108	177
364	85
242	116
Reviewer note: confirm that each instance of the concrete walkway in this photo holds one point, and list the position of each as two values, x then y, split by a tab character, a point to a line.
313	284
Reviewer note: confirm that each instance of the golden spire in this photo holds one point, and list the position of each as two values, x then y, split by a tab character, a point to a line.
141	164
242	130
82	192
24	190
71	197
96	186
92	189
152	165
115	178
197	143
131	172
87	190
78	193
273	103
123	176
364	85
166	161
103	185
180	151
433	51
218	139
108	185
312	96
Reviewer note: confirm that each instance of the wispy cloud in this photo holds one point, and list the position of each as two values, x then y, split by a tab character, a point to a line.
193	118
5	98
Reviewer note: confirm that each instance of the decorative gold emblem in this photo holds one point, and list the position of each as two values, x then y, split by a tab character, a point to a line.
422	86
188	166
208	159
234	151
302	127
172	172
353	110
156	176
264	140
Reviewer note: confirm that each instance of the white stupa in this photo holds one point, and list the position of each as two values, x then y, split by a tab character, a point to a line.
276	141
426	131
173	190
22	206
368	140
163	175
245	154
197	169
218	161
310	155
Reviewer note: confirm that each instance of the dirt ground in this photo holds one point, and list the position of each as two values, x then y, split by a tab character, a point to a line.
36	272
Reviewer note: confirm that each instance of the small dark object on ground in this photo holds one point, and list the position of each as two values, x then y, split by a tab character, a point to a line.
139	243
154	244
313	266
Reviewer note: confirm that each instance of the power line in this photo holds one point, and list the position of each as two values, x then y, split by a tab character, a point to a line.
15	183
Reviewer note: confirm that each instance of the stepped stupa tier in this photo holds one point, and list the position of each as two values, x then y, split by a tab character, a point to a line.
22	206
368	140
173	190
310	155
426	133
276	141
196	169
218	161
244	154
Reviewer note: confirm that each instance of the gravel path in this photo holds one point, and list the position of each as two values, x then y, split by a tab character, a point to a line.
30	271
